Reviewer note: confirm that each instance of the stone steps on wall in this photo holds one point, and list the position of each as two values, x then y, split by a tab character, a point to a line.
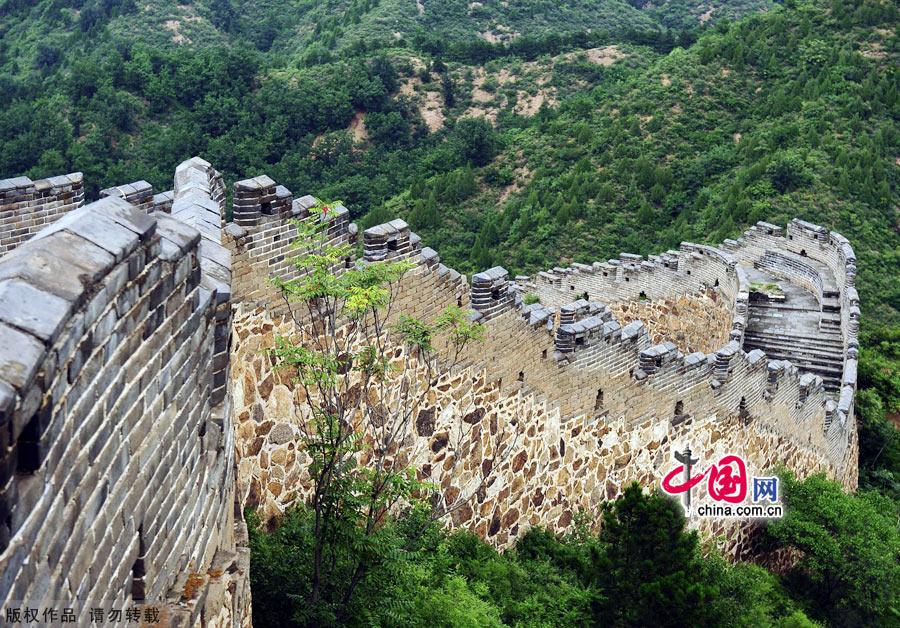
827	341
821	355
830	323
800	353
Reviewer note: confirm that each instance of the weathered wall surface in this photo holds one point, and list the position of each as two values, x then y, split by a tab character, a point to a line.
117	472
131	389
547	466
27	206
693	322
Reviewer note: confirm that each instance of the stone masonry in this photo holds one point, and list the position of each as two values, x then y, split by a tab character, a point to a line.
579	402
140	413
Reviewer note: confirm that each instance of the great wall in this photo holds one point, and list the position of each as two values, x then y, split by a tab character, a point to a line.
141	414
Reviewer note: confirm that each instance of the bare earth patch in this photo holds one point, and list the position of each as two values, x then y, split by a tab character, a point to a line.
431	112
605	55
528	105
522	176
665	80
174	26
358	127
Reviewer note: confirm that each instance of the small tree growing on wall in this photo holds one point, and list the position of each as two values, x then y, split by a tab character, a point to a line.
364	380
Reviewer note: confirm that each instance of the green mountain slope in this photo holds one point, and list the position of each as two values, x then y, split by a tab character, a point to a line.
318	29
792	113
788	113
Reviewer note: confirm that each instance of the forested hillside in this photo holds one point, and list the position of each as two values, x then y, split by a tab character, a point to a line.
315	30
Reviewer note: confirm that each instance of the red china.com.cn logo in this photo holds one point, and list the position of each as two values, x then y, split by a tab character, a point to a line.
726	488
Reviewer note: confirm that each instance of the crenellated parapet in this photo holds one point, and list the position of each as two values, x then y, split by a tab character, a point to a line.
587	337
139	194
630	277
492	294
262	234
825	263
119	397
27	206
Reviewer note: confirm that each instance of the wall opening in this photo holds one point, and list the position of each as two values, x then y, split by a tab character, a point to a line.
571	287
716	283
392	245
579	341
642	296
585	296
348	262
598	402
802	252
458	301
679	409
28	458
742	411
544	354
521	376
495	293
138	570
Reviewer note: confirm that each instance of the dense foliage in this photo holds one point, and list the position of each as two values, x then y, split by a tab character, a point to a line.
792	113
788	113
643	569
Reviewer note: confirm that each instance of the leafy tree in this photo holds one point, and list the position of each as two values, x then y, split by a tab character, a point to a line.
476	140
848	571
346	371
651	571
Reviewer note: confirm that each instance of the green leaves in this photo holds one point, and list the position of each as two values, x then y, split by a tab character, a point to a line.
415	333
454	321
849	551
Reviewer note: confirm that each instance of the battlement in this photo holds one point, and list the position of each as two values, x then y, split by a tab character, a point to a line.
27	206
261	236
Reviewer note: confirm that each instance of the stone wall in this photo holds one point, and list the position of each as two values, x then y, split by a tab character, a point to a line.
547	465
140	411
117	451
27	206
567	405
831	249
693	322
693	268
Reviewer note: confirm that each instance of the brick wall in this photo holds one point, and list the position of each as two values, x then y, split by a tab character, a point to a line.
565	425
27	206
117	474
262	235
